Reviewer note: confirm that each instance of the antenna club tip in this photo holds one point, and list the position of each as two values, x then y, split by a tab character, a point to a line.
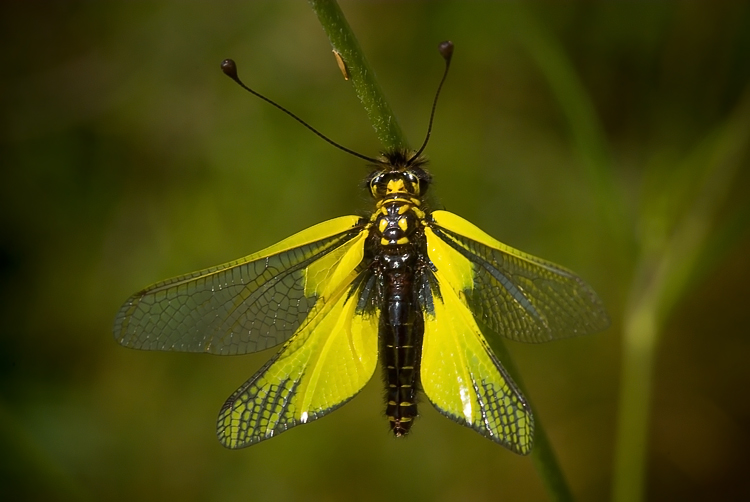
446	49
229	67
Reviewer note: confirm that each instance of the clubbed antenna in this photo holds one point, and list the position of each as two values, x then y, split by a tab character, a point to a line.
446	50
229	67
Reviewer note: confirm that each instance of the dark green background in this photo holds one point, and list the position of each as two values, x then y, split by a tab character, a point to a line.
128	157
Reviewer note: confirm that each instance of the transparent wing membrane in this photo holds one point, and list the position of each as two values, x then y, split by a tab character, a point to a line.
326	363
242	306
514	294
460	375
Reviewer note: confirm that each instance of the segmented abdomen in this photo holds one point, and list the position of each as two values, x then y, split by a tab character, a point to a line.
401	331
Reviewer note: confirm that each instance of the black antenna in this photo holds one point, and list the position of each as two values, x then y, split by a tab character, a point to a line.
229	68
446	50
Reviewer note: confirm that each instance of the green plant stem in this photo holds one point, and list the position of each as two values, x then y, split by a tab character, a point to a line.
361	74
663	277
365	84
667	261
544	459
586	131
543	455
639	345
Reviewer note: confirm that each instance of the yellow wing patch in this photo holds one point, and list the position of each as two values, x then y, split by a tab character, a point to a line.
460	375
327	361
306	236
455	223
455	270
324	276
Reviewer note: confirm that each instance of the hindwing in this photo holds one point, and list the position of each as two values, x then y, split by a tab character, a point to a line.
327	361
460	375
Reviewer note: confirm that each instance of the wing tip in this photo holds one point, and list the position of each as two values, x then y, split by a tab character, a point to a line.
522	446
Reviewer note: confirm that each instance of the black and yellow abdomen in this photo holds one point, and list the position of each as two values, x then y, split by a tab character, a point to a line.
400	332
397	225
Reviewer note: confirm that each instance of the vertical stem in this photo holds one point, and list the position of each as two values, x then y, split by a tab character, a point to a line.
545	461
668	261
640	333
361	74
543	455
587	133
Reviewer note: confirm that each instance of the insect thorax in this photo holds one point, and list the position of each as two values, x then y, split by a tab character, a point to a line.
398	188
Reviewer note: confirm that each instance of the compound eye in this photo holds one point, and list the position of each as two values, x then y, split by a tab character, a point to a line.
414	181
378	186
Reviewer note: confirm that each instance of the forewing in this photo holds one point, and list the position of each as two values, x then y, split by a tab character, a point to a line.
517	295
242	306
460	375
328	360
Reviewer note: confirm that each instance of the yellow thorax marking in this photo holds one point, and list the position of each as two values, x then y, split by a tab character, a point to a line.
405	205
400	242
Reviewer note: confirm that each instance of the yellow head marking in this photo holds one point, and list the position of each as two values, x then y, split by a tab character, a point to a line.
395	186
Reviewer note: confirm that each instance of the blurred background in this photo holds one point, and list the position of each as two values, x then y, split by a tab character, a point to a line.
608	138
